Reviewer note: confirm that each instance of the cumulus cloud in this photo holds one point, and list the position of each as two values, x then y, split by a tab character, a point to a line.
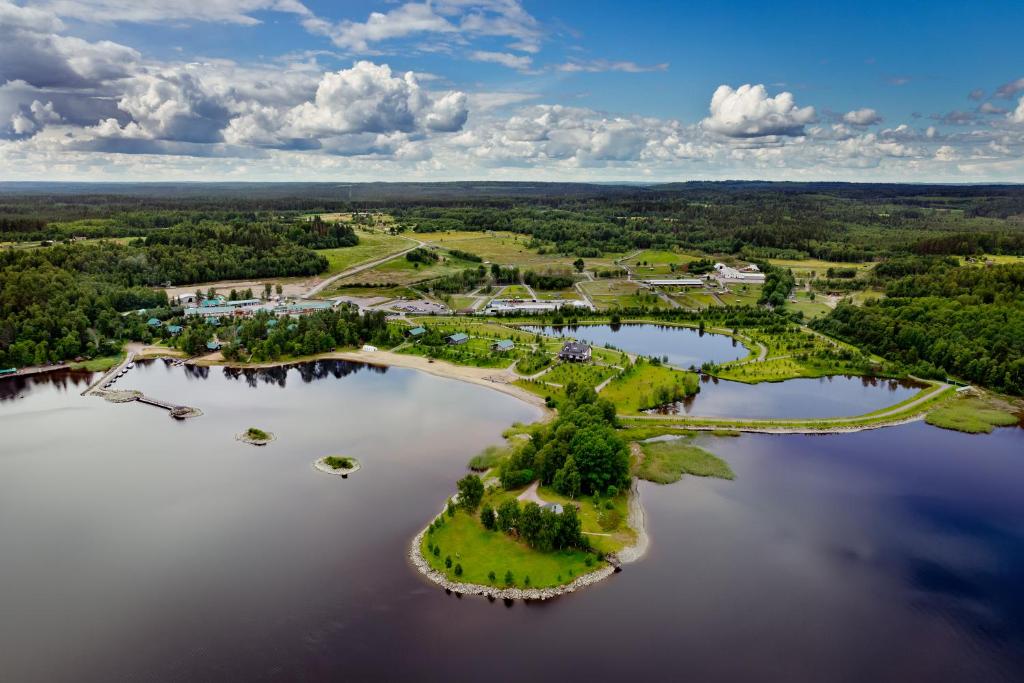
150	11
172	105
32	50
862	117
748	112
366	99
989	108
1017	116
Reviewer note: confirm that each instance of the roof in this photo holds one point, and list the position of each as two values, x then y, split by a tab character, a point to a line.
212	302
174	329
210	310
575	347
213	345
554	507
682	282
417	331
242	302
505	344
155	322
272	322
458	337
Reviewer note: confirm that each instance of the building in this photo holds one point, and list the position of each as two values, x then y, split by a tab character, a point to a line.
188	300
575	352
303	308
154	322
554	507
210	312
215	301
174	329
457	338
749	274
674	282
244	303
213	345
503	345
498	306
416	332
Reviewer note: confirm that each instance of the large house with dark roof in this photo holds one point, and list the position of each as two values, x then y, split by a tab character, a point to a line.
576	352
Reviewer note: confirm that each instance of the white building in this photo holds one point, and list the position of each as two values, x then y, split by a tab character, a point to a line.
749	274
674	282
532	305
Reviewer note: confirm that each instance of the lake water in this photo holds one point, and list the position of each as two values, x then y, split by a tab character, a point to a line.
835	396
138	547
684	346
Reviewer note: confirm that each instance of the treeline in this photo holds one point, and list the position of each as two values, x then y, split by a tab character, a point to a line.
967	322
778	283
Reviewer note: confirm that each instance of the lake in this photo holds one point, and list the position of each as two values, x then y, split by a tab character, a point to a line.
684	346
136	546
834	396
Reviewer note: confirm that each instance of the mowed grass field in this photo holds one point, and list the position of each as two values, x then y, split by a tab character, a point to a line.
804	268
620	294
658	262
810	309
505	248
372	246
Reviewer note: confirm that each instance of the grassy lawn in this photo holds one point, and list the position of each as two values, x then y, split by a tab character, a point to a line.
810	309
808	268
481	552
394	292
476	353
372	246
658	262
607	294
666	461
648	386
514	292
972	415
864	295
461	303
742	295
569	294
697	299
97	364
506	249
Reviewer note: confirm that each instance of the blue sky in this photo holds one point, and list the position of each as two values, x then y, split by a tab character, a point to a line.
283	89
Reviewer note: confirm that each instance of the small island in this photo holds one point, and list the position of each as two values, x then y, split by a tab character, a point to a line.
337	464
255	436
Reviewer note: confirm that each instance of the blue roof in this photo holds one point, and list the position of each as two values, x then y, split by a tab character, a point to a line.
213	345
154	322
272	322
505	344
458	336
417	331
174	329
212	302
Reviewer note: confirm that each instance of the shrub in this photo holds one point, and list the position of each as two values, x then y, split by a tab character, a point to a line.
509	579
458	570
448	561
491	576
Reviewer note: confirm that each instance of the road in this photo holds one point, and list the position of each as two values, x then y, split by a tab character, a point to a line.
366	265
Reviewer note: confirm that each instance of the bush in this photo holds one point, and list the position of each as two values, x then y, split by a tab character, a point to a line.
458	570
509	579
491	576
448	561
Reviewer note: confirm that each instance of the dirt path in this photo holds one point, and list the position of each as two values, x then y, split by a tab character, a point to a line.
316	289
530	495
586	297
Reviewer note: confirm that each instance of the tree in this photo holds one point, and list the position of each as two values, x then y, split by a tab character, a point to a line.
471	491
488	518
508	515
509	579
448	561
266	290
578	265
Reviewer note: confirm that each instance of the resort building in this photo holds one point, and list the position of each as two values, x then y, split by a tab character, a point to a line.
457	338
503	345
154	322
498	306
575	352
674	282
554	507
174	329
749	274
416	332
303	308
210	312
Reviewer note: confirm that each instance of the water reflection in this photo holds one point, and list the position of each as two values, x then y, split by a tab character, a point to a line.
684	347
12	388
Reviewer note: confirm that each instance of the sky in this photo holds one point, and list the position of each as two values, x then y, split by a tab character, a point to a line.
639	91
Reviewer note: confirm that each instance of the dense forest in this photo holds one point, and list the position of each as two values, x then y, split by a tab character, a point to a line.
964	321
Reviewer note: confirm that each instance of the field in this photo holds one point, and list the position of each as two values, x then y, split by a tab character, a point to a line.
696	299
666	461
372	246
971	415
506	249
658	262
481	552
810	309
607	294
400	271
514	292
742	295
812	268
647	386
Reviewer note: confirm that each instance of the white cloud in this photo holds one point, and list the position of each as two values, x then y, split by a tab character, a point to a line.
508	59
173	105
946	153
152	11
1009	90
1017	116
366	99
601	65
748	112
862	117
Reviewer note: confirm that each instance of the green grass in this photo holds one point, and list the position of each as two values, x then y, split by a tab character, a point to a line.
336	462
609	294
257	434
97	364
514	292
970	415
481	552
648	386
488	458
372	246
666	461
505	248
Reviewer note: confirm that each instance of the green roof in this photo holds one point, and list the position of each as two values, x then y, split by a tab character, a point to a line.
154	322
505	344
417	331
458	337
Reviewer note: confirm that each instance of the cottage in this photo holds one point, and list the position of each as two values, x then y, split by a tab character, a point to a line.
503	345
154	322
416	332
213	345
554	507
457	338
575	352
174	329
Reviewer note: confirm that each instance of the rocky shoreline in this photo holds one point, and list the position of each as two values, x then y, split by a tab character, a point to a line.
244	438
322	466
418	561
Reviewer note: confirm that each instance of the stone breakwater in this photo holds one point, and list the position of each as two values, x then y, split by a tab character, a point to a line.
416	557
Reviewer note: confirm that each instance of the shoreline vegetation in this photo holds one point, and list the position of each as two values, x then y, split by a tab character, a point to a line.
256	436
338	465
